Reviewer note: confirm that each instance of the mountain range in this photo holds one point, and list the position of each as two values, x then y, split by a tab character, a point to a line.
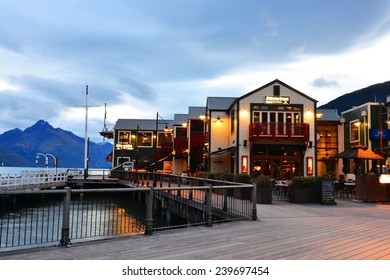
20	147
373	93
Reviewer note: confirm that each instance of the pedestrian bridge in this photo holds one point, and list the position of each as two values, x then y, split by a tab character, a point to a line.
32	180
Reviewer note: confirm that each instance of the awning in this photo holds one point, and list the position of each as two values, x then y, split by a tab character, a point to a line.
222	151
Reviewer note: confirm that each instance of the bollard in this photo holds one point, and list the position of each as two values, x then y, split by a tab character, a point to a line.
65	233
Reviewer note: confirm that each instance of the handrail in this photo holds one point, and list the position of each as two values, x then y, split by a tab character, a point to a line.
30	180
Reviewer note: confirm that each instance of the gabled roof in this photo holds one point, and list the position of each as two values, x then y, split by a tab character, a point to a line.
143	124
328	115
219	103
280	83
179	119
195	112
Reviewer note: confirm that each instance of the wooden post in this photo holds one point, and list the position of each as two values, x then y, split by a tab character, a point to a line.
254	203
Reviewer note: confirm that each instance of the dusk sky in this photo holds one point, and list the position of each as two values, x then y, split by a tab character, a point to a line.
147	56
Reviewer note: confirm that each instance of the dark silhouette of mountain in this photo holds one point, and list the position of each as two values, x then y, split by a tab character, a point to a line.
374	93
8	158
43	138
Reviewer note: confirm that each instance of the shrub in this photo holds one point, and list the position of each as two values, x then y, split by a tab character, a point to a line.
224	177
243	178
263	182
201	174
307	182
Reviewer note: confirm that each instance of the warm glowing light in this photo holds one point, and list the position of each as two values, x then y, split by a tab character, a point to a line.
358	123
184	124
309	113
244	112
218	120
202	117
384	179
319	115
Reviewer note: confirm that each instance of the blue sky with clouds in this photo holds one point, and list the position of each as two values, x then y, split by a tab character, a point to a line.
143	57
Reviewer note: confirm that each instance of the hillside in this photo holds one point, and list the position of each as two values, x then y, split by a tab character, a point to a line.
19	148
374	93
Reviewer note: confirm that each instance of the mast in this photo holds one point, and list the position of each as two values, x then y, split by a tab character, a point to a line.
86	135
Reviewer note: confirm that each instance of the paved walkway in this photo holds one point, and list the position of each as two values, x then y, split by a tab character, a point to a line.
348	230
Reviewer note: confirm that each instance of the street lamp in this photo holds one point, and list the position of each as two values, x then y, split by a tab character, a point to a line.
55	160
46	159
166	129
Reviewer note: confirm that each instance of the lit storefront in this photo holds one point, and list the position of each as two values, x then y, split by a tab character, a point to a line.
269	131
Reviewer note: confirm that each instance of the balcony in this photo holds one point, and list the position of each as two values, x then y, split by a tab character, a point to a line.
180	143
197	139
279	131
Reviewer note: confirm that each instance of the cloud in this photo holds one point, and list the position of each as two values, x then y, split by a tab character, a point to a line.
322	82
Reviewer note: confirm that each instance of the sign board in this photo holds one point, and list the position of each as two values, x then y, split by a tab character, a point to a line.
277	99
328	192
375	134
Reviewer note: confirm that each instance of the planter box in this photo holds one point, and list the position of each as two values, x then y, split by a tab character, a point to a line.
305	195
264	195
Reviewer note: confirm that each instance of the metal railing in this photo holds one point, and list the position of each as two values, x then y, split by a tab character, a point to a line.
64	216
31	180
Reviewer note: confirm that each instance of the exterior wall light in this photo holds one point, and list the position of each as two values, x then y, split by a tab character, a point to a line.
218	120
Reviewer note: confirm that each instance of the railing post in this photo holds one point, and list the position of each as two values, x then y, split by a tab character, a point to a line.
178	193
65	240
149	212
154	180
225	196
209	216
254	203
190	195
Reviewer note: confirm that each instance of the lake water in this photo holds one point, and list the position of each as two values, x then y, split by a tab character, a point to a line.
36	219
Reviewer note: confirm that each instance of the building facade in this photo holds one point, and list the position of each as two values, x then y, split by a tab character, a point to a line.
366	125
268	131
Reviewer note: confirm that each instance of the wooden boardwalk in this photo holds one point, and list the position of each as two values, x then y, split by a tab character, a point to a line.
348	230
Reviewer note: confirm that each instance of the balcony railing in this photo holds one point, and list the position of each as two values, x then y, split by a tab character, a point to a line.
279	131
180	143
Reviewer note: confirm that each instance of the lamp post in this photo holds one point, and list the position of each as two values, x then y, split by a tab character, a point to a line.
166	129
46	159
55	160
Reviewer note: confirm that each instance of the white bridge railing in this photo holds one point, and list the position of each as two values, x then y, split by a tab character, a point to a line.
32	180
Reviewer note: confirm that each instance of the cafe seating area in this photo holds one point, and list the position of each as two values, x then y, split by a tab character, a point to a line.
280	189
346	188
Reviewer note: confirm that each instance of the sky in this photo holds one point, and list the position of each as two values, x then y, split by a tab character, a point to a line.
141	57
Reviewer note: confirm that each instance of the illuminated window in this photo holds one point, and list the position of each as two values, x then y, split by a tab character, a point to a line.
354	127
145	139
124	137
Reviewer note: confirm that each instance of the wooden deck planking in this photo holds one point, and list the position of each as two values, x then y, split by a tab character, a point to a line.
284	231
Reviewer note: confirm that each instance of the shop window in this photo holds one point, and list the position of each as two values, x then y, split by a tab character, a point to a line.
355	130
164	137
232	120
145	139
124	137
